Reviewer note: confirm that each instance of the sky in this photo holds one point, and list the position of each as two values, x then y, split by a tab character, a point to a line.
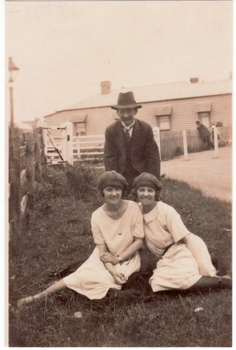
64	49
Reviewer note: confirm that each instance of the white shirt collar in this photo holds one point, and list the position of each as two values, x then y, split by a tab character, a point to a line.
128	127
152	215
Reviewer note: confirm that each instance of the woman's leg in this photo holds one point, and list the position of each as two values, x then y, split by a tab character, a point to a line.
56	287
212	282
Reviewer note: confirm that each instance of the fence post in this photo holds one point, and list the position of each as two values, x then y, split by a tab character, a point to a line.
156	135
38	165
78	148
15	183
216	152
69	142
45	142
185	145
64	141
31	162
39	132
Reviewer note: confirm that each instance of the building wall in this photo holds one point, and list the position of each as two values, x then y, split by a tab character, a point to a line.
62	117
183	115
98	119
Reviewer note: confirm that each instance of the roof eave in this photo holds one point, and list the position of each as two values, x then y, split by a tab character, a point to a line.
149	101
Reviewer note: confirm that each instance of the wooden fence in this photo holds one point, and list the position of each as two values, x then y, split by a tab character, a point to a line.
91	148
83	148
26	157
171	143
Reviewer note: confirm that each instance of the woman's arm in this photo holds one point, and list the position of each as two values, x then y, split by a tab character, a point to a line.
132	249
125	255
200	252
118	277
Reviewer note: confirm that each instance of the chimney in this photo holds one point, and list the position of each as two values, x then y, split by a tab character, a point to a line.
105	87
194	80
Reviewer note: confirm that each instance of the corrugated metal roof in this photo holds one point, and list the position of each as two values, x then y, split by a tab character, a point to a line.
160	92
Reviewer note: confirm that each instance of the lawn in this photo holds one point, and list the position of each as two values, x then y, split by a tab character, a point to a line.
58	234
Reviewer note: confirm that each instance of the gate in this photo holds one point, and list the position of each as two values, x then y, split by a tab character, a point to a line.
54	146
69	148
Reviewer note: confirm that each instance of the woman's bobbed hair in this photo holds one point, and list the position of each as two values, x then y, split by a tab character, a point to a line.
111	178
147	180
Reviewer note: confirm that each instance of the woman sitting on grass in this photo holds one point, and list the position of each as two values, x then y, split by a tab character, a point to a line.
184	261
117	228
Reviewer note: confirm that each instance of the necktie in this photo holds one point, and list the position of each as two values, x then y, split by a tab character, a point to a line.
127	135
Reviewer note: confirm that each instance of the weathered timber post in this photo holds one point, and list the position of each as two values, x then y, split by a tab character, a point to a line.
45	142
39	153
64	141
216	148
30	171
185	145
43	158
156	135
78	148
15	183
69	142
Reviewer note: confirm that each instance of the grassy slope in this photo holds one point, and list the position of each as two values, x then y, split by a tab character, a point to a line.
58	234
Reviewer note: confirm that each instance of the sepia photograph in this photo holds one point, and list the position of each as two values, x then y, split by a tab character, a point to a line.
118	175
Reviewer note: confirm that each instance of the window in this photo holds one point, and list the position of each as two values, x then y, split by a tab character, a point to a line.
164	123
80	129
163	115
205	118
203	110
79	122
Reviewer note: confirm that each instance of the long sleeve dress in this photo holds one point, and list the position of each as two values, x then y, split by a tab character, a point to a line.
176	268
92	278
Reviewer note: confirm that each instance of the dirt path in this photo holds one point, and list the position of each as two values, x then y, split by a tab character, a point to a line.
213	176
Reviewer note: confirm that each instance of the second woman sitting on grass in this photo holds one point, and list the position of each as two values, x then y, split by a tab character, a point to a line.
117	228
183	258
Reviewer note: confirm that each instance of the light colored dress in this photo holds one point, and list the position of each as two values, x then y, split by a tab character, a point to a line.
92	278
177	267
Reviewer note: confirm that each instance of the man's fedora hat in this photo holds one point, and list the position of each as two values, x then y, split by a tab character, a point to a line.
126	100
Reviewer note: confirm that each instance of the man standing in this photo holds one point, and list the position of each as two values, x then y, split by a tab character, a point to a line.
130	148
204	134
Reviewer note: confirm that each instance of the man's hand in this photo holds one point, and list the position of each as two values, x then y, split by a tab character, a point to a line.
108	257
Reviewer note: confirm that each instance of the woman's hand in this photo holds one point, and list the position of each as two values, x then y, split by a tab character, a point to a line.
108	257
119	277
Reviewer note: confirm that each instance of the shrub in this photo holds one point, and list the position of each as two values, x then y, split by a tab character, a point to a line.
218	124
221	143
178	151
60	184
193	149
43	193
82	181
57	178
78	181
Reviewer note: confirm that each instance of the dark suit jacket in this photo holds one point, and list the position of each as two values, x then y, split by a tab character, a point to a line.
203	131
144	151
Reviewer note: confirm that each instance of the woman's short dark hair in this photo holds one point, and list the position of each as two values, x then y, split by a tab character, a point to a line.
111	179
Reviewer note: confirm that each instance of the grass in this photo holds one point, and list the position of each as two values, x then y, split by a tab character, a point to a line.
58	234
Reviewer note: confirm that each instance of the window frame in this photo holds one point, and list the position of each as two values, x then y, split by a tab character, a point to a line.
167	119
